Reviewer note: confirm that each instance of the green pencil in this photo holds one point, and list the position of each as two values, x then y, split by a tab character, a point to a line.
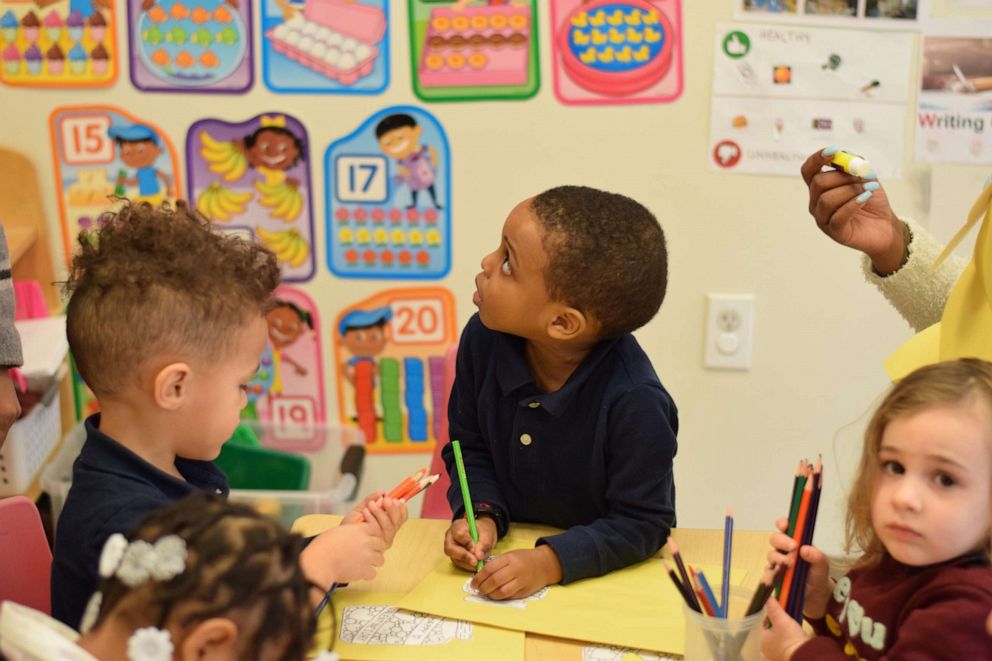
466	497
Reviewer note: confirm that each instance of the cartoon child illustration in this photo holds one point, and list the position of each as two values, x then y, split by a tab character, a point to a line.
139	147
399	137
287	323
363	333
271	150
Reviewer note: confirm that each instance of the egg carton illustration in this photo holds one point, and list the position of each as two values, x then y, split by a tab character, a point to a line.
333	37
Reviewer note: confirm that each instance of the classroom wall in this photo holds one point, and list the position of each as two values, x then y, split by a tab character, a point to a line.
820	333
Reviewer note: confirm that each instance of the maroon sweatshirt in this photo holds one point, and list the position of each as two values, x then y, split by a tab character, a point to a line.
894	611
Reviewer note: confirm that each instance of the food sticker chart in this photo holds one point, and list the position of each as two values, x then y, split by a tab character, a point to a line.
617	51
253	178
288	390
103	151
190	45
460	51
65	43
325	46
389	352
388	188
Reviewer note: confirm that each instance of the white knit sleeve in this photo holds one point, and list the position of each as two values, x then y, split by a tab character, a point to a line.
919	296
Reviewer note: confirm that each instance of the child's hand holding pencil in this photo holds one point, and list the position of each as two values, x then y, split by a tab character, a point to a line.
387	513
818	584
464	552
785	636
518	574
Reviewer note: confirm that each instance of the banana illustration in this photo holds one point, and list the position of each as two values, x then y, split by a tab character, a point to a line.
285	201
289	246
220	203
223	158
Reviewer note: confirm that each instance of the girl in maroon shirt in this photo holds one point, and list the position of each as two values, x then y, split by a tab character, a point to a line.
921	511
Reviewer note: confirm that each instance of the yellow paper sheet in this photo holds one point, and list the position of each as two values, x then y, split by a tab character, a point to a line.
370	628
965	326
637	607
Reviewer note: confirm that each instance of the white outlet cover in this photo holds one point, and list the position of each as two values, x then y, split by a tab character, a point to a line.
729	331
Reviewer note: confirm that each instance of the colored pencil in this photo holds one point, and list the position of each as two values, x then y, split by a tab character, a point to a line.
410	489
678	586
797	536
798	596
765	587
708	591
797	493
466	496
708	606
673	548
326	600
728	543
407	483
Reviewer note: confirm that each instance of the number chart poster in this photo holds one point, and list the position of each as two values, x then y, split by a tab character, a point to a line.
325	46
389	352
103	151
389	198
60	43
288	390
617	51
190	45
253	177
460	52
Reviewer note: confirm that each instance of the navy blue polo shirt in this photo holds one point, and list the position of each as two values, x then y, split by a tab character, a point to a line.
594	457
112	491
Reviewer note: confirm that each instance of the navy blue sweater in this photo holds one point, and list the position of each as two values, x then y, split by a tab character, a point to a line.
112	491
594	457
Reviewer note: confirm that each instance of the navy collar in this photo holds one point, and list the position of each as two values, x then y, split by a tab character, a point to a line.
513	373
101	453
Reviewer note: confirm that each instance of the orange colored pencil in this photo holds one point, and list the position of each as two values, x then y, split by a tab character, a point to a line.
797	536
422	484
407	483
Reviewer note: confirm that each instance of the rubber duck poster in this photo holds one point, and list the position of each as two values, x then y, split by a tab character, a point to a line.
253	178
101	152
467	50
329	46
66	43
190	45
389	351
388	200
612	52
287	392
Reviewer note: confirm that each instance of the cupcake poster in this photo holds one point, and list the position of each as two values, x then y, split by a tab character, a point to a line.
389	352
325	46
101	152
470	49
253	178
388	198
190	45
612	52
67	43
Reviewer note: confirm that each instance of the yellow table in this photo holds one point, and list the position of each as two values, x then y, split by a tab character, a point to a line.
419	547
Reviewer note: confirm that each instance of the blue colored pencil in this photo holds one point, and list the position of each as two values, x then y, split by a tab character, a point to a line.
708	591
326	600
728	543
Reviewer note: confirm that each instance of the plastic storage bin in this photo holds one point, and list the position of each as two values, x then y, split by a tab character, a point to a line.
29	442
336	456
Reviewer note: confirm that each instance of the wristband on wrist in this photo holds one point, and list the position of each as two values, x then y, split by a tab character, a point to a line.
487	509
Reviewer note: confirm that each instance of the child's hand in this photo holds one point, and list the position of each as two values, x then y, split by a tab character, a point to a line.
388	514
785	636
818	584
855	213
344	554
458	544
518	574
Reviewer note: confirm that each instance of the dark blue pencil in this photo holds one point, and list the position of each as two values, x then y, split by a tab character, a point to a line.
728	543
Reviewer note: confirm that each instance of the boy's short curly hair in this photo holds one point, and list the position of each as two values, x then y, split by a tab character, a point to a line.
159	280
606	256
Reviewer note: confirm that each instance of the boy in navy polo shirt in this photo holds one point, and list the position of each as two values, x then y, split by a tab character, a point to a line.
166	322
561	417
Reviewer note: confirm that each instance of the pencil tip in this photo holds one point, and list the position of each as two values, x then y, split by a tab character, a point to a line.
730	512
672	546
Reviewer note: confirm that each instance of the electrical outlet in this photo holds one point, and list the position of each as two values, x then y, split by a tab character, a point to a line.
729	330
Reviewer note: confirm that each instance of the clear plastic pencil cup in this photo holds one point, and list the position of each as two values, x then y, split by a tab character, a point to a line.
717	639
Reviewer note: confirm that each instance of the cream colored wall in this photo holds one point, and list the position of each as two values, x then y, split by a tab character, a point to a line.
820	332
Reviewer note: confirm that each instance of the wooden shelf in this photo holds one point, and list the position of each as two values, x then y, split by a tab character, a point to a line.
20	240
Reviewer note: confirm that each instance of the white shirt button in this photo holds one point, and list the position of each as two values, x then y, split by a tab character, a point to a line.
534	405
525	439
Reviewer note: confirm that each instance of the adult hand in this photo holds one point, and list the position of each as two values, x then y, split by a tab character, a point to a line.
855	212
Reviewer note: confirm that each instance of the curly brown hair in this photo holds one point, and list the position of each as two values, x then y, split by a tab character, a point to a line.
606	256
159	280
239	564
962	381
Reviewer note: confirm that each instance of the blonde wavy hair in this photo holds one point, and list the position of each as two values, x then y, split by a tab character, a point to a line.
964	381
